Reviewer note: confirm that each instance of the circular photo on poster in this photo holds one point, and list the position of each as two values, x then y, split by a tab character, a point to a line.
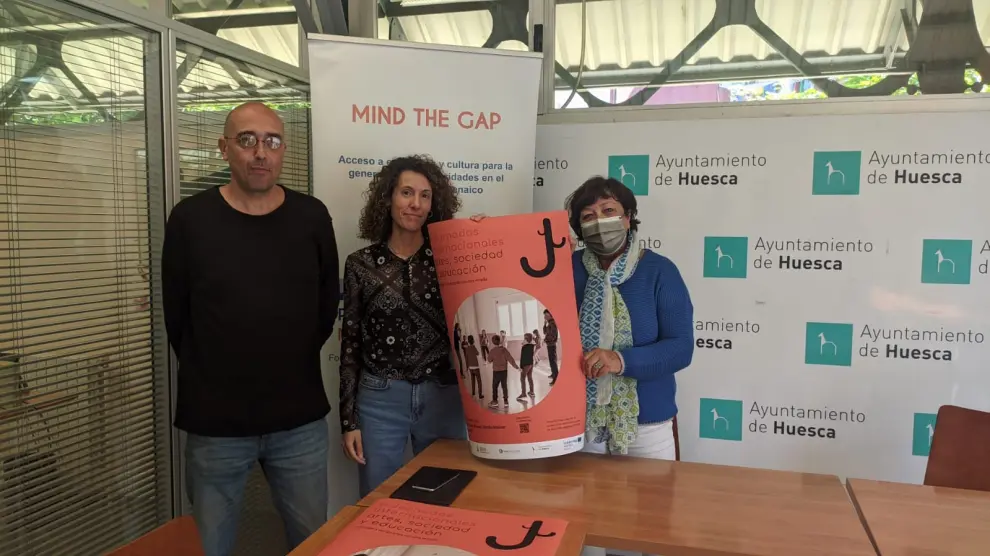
508	349
414	550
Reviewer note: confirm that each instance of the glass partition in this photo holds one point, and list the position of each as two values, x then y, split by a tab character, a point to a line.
84	425
501	24
88	137
270	27
209	86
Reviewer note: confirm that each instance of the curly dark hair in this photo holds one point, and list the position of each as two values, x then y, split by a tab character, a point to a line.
376	216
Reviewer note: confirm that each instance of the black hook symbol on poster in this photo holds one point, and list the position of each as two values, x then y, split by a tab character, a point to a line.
532	532
551	245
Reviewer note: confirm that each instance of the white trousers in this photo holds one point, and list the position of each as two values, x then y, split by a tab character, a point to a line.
652	442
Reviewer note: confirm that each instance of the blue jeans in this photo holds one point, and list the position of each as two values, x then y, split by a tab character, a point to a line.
393	412
295	464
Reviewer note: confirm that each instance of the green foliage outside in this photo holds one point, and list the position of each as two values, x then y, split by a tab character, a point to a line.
278	106
758	92
129	115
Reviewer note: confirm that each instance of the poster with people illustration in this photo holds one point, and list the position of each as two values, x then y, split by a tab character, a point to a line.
508	292
391	527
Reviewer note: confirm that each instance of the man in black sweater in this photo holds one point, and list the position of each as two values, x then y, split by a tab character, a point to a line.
251	287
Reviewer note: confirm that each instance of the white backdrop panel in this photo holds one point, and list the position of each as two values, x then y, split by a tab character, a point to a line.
877	214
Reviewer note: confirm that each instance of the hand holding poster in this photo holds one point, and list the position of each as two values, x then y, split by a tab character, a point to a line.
508	291
396	527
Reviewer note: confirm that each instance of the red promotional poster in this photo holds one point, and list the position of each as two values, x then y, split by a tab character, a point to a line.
508	291
398	528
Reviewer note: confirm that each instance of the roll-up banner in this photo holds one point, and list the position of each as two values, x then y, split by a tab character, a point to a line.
471	110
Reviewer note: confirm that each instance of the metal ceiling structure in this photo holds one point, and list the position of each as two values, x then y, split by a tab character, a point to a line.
45	54
652	43
644	43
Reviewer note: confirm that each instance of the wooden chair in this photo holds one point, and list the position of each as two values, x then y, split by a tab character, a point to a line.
960	451
178	537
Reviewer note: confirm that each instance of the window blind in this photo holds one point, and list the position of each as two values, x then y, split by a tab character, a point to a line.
84	433
210	85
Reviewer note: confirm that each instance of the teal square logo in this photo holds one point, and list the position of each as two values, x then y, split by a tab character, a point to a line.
725	257
721	419
836	173
924	431
828	343
946	261
633	170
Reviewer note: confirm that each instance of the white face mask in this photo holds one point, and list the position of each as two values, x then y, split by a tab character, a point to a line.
605	236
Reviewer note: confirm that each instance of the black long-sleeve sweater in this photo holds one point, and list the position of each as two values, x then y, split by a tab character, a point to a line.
249	302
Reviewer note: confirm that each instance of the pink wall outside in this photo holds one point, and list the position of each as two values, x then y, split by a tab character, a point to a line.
684	94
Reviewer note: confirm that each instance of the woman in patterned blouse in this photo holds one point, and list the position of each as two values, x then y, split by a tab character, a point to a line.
397	378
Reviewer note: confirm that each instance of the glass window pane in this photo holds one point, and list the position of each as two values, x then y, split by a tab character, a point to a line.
210	85
504	321
700	51
266	26
84	440
456	23
518	324
532	315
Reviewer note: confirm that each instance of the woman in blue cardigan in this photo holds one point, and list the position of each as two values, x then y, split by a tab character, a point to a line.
637	325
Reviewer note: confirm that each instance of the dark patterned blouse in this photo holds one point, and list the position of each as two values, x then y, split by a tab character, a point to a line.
394	326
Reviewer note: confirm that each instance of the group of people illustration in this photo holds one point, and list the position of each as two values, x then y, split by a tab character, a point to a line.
494	352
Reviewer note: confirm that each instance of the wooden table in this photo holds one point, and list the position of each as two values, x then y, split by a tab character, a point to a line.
661	507
322	537
916	520
570	546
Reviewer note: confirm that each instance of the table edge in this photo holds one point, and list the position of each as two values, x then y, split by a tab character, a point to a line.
860	513
340	520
